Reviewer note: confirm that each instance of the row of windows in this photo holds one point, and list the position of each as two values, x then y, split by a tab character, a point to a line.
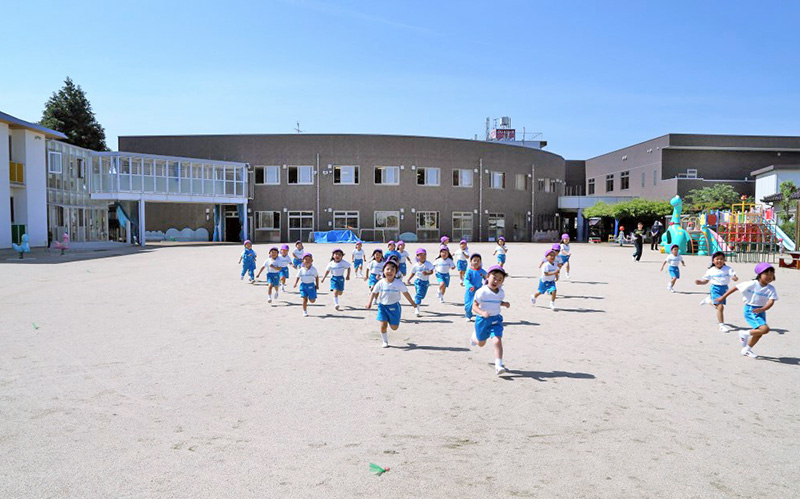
387	175
624	180
389	220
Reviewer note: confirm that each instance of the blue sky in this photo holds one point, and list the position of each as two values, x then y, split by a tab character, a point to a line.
592	76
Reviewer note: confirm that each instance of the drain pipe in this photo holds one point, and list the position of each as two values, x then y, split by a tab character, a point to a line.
480	201
318	179
533	199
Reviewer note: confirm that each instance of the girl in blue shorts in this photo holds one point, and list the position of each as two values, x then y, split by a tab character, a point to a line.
547	283
404	257
443	265
358	259
297	254
673	259
501	251
273	273
461	257
423	269
388	291
374	268
474	279
308	277
564	252
248	260
489	299
720	275
336	268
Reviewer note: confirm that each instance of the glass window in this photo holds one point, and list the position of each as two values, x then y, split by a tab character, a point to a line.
344	220
268	175
609	182
462	225
521	181
345	175
497	180
655	176
624	180
553	185
590	188
643	176
268	220
540	184
427	176
387	175
301	175
462	178
54	162
427	220
259	174
387	219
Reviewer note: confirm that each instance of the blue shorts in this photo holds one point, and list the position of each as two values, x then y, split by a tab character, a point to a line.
249	268
358	263
297	262
284	272
422	290
308	290
469	298
441	277
373	279
674	272
461	265
717	291
755	320
274	278
546	287
337	283
486	328
389	313
402	268
564	258
501	258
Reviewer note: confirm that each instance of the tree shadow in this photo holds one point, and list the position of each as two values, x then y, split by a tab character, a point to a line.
792	361
541	376
414	346
583	297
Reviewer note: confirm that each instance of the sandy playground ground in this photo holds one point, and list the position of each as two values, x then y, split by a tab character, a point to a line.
158	373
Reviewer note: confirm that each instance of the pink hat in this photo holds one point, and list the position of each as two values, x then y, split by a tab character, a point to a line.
501	238
298	242
463	241
421	251
763	267
556	247
547	252
401	242
285	247
390	242
564	236
246	242
273	248
496	268
444	238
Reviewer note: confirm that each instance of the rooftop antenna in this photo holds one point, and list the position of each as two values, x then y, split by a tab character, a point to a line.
297	129
487	128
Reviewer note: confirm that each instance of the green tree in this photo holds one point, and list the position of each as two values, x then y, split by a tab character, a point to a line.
787	188
717	197
70	112
635	208
600	209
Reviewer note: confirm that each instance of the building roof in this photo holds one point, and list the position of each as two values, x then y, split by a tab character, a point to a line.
770	168
778	197
14	122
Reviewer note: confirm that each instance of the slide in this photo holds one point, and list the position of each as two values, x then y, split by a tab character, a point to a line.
787	241
716	242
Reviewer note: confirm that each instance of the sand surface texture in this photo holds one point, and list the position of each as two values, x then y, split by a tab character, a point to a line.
161	374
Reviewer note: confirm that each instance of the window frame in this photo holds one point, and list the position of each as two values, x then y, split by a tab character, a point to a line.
625	180
457	178
50	156
381	168
525	183
375	219
346	214
492	174
356	174
610	178
426	180
265	169
289	171
426	213
260	215
590	187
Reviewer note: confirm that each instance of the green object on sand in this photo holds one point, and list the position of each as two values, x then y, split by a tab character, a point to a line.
374	468
35	326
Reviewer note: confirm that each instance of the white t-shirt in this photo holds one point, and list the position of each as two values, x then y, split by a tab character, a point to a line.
500	250
719	277
337	269
419	268
549	267
488	300
673	260
307	276
756	295
443	266
358	254
283	261
461	255
389	293
564	249
376	267
269	263
298	253
403	256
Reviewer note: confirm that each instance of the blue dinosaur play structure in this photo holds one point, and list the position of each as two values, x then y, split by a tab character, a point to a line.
675	234
22	248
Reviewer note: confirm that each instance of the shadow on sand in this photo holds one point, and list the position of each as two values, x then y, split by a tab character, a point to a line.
792	361
414	346
543	376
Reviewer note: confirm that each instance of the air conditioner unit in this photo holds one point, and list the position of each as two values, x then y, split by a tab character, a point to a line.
691	173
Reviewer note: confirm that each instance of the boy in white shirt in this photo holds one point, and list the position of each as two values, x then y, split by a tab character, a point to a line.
423	269
273	273
461	256
308	277
673	259
337	267
388	291
358	260
719	275
547	283
489	299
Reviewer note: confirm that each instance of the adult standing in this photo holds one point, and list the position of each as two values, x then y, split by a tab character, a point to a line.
638	240
655	234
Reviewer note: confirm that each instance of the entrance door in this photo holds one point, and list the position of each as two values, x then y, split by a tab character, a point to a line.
301	225
233	226
497	225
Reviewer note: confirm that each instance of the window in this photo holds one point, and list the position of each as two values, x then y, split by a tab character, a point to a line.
643	176
344	220
590	187
610	182
462	178
81	168
268	175
540	184
497	180
462	225
497	225
268	220
301	225
387	175
345	175
428	176
655	176
54	162
301	175
624	180
553	184
427	225
387	219
521	181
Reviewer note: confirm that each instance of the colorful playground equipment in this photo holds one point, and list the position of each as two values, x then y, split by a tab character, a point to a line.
22	248
675	233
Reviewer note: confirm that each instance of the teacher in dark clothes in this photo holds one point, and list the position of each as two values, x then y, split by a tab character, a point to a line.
655	234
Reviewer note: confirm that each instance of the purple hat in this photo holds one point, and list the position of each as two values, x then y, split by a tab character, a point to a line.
390	242
285	247
444	238
246	242
337	250
273	248
496	268
555	247
444	247
501	238
463	241
763	267
307	254
401	242
298	242
547	252
564	236
421	250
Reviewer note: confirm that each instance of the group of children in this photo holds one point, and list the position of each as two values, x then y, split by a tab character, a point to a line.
759	294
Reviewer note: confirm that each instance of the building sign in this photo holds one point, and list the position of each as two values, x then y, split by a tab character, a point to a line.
503	134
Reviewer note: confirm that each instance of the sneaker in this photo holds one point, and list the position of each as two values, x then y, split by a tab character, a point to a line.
466	318
269	299
385	344
242	279
416	310
441	299
276	294
706	301
552	306
472	319
305	313
472	341
669	286
462	284
749	353
567	275
724	328
671	290
252	281
501	369
283	288
336	306
533	299
744	337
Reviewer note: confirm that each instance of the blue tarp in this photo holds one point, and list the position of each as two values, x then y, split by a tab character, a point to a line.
336	236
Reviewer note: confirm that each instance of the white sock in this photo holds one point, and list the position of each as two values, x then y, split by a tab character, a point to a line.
498	362
385	337
336	300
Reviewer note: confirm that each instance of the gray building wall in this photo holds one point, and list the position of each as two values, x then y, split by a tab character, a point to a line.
368	151
164	216
575	177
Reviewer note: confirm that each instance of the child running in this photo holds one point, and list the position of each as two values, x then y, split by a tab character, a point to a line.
564	253
297	254
720	276
423	269
475	277
404	257
391	251
336	268
443	265
248	260
489	323
759	296
374	268
358	260
547	283
673	259
309	282
273	273
501	251
284	261
388	291
461	256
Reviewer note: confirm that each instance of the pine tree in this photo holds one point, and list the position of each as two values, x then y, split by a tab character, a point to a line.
70	112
